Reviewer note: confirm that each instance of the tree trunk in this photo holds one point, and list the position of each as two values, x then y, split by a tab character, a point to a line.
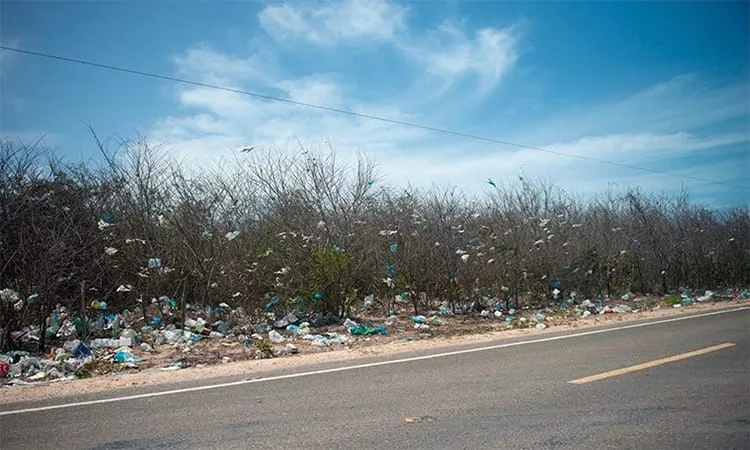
184	303
43	327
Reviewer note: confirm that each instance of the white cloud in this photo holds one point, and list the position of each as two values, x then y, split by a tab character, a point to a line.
316	89
217	122
186	126
229	121
679	104
449	54
329	23
644	146
643	128
217	68
222	104
470	172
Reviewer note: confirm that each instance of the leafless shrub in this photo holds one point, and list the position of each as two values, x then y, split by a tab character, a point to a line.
319	234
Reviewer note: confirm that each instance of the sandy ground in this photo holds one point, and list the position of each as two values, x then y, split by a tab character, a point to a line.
363	347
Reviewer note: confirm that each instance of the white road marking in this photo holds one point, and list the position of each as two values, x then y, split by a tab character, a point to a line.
364	366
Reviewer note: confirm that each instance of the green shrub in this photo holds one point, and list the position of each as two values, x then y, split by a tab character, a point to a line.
265	348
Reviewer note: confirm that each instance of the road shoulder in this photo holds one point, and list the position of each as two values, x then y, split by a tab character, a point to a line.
257	368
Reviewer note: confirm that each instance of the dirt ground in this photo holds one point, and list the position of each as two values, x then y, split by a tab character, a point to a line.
226	359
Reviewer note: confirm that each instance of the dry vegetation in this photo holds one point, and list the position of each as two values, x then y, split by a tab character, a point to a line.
306	233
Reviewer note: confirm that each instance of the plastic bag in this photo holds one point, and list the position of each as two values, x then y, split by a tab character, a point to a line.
275	337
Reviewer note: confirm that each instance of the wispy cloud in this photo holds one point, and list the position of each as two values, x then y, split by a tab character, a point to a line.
678	104
220	122
333	22
215	67
635	148
229	121
450	54
446	53
320	89
664	122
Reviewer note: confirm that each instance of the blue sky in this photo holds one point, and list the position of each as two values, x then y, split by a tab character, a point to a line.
659	85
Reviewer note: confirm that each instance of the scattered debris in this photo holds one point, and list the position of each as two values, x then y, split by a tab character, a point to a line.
364	330
275	337
115	342
411	419
288	349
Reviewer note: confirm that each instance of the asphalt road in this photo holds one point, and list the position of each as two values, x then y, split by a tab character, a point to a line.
516	396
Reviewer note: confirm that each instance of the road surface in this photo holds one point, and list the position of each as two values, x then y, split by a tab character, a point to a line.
674	384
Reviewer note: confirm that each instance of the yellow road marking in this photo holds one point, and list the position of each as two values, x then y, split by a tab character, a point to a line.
654	363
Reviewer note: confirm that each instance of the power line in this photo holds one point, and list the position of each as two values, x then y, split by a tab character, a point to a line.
362	115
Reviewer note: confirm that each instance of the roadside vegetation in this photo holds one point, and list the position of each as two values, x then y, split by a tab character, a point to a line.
307	234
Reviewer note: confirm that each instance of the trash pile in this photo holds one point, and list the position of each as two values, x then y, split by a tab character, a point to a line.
107	342
104	342
588	308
